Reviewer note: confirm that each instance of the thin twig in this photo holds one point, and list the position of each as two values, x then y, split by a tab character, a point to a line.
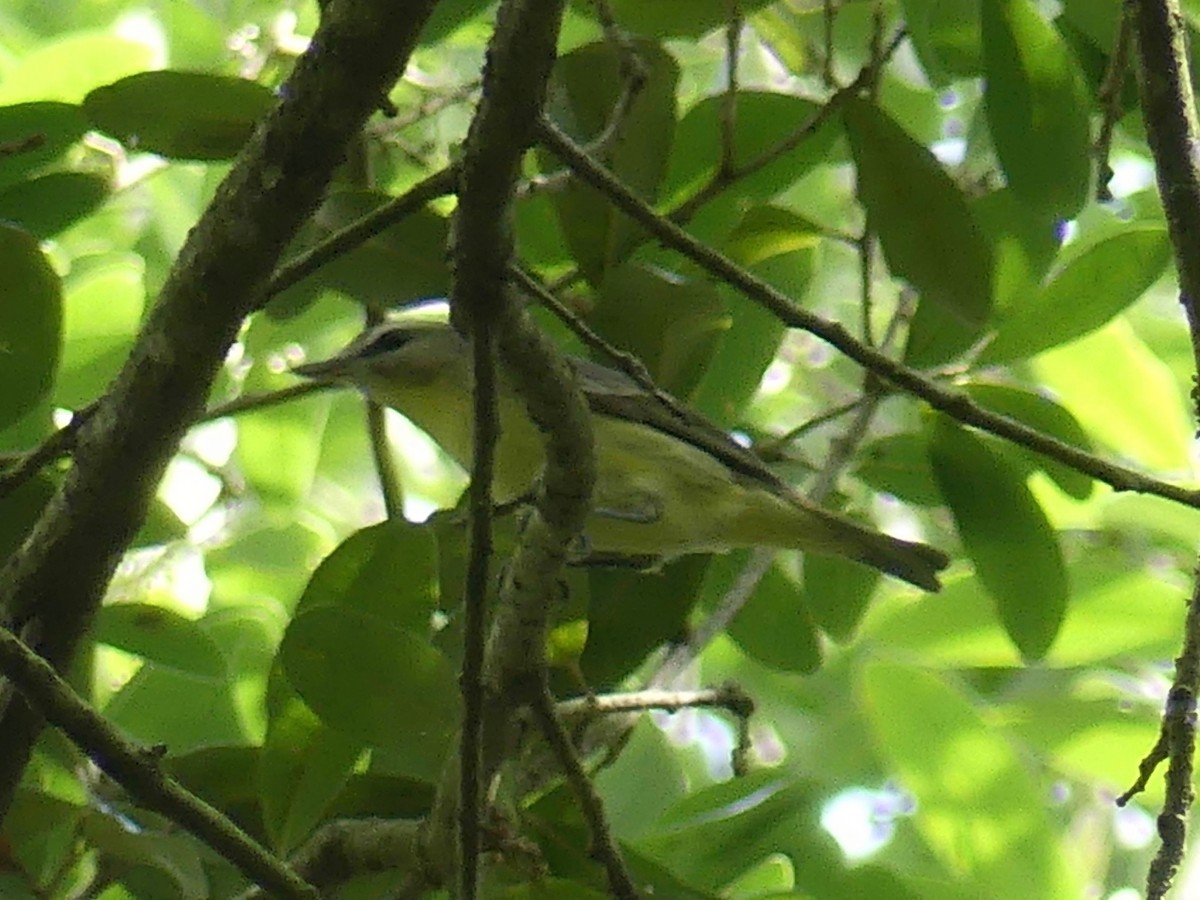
362	230
729	101
950	401
57	445
722	179
1109	97
252	402
604	844
139	770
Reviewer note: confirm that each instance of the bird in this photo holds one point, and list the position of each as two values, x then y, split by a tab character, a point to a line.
669	482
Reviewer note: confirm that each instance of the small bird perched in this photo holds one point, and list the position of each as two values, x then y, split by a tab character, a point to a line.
669	482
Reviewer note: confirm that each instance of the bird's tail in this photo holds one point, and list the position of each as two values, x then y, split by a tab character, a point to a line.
799	525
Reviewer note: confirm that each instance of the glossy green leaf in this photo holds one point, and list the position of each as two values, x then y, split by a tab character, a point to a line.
1087	292
776	628
1006	534
162	636
1048	417
1122	393
977	807
673	326
44	130
642	783
161	704
1037	109
377	683
182	115
30	324
304	766
48	204
741	821
387	570
586	84
927	232
103	307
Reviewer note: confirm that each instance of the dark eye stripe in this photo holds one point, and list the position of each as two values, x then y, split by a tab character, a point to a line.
386	342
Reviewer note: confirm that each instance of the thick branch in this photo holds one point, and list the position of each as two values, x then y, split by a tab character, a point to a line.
1169	112
53	585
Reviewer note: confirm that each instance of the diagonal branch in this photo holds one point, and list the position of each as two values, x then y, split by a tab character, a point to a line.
139	771
53	585
952	402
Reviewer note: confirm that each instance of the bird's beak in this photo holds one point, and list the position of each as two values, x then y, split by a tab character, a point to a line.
322	370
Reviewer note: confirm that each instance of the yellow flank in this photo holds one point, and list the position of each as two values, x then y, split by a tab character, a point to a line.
657	494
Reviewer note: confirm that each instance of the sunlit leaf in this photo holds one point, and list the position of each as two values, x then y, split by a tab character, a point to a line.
977	806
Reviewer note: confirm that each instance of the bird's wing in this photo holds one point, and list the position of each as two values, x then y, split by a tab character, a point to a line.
612	393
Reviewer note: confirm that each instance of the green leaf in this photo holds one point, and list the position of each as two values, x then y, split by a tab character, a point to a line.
781	248
388	570
927	232
405	261
1087	292
50	203
585	85
978	809
1006	534
1048	417
775	626
67	67
764	121
836	593
181	115
945	34
167	864
30	324
631	613
1122	393
103	309
54	126
1024	247
162	636
673	326
20	509
304	766
1037	109
377	683
672	18
899	464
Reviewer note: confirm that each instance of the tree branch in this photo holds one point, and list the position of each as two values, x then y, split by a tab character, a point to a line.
53	585
952	402
138	770
1169	112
